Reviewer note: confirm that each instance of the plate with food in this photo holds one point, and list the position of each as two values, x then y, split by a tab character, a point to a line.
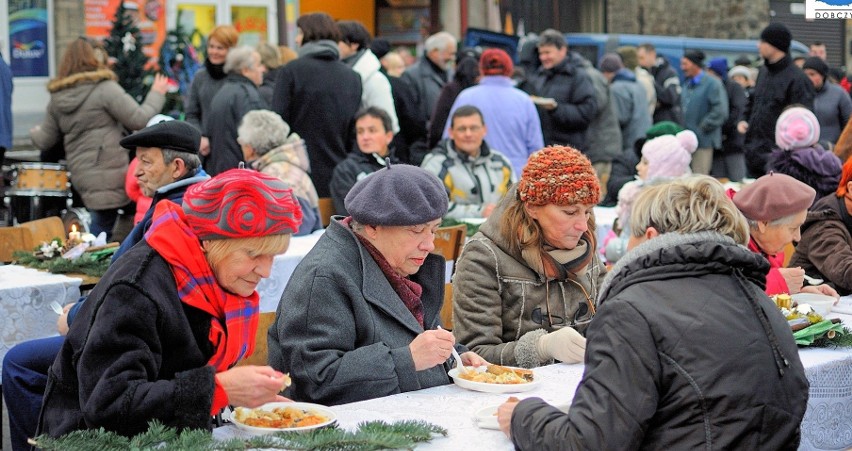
282	416
486	417
495	379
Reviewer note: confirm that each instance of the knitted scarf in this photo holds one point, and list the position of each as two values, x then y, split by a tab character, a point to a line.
407	290
558	263
234	318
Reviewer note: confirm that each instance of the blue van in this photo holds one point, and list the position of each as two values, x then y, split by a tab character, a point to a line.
593	46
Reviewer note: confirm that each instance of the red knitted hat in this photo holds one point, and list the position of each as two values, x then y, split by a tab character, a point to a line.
241	203
496	62
561	176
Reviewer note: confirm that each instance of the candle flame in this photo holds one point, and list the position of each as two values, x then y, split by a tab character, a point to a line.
73	228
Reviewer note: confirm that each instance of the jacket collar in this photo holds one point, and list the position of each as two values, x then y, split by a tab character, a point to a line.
378	291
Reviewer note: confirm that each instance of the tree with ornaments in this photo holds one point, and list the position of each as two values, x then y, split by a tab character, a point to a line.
124	46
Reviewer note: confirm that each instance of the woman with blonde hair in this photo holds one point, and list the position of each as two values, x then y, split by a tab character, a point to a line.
686	351
209	80
88	113
159	336
525	285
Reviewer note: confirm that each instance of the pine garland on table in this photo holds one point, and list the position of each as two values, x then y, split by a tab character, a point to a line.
374	435
93	264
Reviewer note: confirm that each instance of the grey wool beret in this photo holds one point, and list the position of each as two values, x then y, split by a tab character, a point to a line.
398	195
174	135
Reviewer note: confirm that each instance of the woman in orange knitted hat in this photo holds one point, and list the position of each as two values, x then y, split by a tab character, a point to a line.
525	285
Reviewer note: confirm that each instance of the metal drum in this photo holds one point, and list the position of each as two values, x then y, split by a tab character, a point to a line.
37	190
78	216
45	179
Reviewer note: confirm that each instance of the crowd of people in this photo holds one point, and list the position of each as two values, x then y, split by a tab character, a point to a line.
530	149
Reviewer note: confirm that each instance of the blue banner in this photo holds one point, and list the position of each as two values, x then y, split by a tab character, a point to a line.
28	36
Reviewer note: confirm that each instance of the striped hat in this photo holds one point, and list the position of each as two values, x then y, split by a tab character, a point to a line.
796	128
561	176
241	203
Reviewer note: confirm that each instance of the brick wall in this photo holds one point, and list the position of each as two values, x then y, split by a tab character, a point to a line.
725	19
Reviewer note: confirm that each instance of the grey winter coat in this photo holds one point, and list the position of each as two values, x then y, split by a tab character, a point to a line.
631	105
90	113
603	137
685	352
500	302
425	82
342	332
201	92
705	109
832	107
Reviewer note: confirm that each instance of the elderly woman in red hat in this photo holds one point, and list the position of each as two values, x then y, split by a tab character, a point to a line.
525	285
775	207
164	327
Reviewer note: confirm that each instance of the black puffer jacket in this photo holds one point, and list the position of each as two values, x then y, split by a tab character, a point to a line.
574	92
685	352
779	85
156	368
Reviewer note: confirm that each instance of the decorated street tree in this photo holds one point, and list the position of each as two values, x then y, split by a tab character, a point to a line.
124	46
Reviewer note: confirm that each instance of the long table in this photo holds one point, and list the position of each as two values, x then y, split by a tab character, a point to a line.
25	297
827	423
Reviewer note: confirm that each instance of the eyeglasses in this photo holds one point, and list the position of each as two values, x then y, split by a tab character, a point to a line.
581	316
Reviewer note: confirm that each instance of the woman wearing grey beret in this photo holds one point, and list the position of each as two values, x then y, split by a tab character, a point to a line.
359	318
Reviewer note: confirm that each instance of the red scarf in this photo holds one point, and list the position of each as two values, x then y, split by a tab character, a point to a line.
234	322
407	290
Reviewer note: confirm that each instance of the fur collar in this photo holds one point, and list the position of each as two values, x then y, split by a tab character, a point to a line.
96	76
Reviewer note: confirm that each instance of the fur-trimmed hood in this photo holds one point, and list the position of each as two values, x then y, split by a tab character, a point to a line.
96	76
68	93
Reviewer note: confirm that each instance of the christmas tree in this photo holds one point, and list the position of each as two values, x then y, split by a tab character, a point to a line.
179	61
124	46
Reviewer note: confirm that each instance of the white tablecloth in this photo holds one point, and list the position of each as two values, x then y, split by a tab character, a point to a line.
827	423
25	297
271	288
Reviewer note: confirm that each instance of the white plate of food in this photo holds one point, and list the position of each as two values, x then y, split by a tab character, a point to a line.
486	417
495	379
282	417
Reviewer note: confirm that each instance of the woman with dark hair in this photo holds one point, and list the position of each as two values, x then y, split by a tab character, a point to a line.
467	74
318	96
89	113
208	80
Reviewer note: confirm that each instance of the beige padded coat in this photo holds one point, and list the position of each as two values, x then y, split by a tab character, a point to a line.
90	113
499	300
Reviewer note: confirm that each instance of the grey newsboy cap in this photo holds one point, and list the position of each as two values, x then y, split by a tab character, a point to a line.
398	195
174	135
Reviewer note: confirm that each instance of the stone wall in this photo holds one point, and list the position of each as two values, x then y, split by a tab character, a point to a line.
725	19
69	23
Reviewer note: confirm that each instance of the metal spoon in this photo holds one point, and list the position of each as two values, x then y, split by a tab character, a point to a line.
56	308
813	280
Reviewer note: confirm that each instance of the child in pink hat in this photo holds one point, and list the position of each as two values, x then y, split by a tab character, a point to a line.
800	156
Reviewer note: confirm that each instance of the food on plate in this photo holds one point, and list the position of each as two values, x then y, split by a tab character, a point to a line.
496	374
279	417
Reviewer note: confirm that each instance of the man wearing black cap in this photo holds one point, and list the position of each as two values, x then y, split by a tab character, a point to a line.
168	165
779	84
832	105
705	107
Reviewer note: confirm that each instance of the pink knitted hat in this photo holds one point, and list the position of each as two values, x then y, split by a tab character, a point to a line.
796	128
669	156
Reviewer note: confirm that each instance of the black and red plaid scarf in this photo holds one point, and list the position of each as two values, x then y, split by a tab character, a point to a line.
407	290
234	322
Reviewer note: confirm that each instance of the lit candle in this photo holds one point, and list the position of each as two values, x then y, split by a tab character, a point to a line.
74	235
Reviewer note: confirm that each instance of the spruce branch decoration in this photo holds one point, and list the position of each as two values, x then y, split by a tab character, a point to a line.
374	435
